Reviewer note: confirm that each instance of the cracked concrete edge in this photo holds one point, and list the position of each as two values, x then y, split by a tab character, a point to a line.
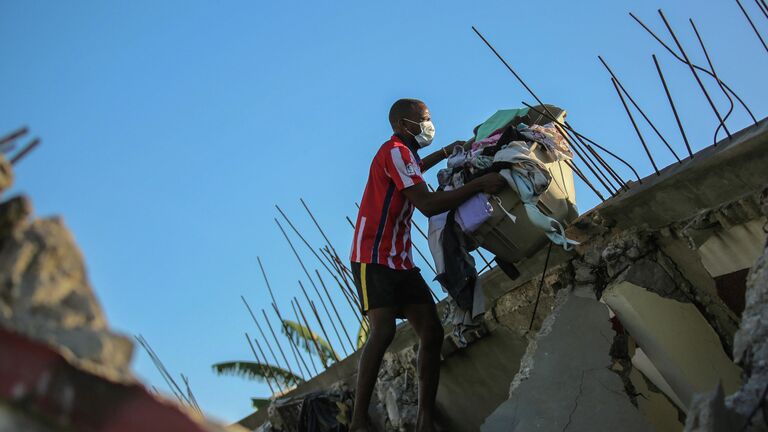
527	362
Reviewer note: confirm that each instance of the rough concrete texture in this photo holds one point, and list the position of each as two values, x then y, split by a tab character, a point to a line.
6	174
12	420
60	365
734	248
655	405
744	410
397	390
682	190
607	252
751	342
565	383
708	413
45	293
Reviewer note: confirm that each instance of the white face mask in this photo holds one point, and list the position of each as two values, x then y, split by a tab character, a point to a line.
427	132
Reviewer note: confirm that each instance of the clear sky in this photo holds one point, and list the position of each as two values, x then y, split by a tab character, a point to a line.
171	129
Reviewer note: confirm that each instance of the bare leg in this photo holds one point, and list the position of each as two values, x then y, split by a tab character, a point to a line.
423	318
382	332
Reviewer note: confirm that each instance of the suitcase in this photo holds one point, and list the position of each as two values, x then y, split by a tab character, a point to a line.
515	241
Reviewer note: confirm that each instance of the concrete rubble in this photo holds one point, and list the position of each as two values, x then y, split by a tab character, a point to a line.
745	408
565	381
62	367
397	390
636	330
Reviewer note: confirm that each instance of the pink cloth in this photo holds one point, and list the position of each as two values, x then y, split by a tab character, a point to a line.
492	139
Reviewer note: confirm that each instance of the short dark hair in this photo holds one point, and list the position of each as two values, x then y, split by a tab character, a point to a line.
402	108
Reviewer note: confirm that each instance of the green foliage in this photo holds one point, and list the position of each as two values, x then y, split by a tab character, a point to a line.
304	337
259	403
257	371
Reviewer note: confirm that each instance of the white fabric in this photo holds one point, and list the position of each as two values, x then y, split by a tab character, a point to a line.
460	319
435	233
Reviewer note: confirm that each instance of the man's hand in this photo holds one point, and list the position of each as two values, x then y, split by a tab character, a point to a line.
441	154
491	183
449	148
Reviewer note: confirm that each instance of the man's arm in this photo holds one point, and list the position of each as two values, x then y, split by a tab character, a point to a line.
433	203
433	159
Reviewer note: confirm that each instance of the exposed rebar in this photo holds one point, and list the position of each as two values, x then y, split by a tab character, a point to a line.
312	335
637	107
265	363
303	239
697	67
297	355
568	127
25	151
693	71
541	286
13	136
330	318
712	68
672	104
277	342
584	179
634	125
318	226
263	335
306	343
752	24
336	311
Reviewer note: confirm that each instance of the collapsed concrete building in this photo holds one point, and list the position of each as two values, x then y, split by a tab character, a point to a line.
656	322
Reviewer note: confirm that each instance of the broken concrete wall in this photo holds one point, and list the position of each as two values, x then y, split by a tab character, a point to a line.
746	408
45	293
61	367
648	251
675	337
565	381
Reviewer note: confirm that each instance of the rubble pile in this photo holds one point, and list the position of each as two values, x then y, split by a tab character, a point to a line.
62	367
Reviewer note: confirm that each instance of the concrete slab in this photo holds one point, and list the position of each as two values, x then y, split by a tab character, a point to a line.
566	384
677	339
473	383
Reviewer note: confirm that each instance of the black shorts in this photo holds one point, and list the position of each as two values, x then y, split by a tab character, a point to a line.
380	286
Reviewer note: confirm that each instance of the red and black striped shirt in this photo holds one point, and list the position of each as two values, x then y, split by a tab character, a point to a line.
383	229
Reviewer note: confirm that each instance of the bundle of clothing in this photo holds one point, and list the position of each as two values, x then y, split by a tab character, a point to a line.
509	150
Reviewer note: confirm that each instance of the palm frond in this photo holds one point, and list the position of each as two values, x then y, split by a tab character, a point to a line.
257	371
259	403
304	337
362	334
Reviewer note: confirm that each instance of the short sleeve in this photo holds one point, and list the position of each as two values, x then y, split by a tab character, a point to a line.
402	167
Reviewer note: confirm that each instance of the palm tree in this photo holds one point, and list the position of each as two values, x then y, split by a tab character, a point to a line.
257	371
302	337
310	341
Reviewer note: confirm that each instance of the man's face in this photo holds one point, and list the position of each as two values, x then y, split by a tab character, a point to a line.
419	114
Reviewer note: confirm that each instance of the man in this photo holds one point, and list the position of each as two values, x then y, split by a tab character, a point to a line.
387	282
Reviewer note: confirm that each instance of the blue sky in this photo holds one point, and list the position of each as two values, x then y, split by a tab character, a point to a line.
171	129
